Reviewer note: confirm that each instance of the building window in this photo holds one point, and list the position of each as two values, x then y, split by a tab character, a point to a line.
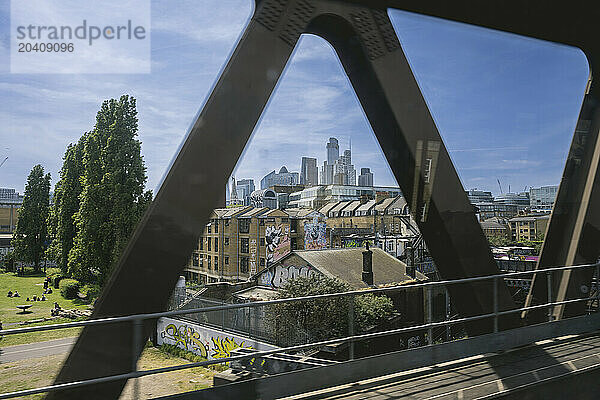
294	244
209	228
216	263
216	226
195	260
261	222
261	242
201	260
270	219
244	245
226	260
262	262
216	244
208	263
201	243
226	241
427	170
244	225
226	222
208	241
284	220
244	265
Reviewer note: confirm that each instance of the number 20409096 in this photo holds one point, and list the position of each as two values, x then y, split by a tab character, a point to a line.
46	47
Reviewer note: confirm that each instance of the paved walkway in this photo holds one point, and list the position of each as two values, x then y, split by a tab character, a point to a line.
34	350
477	377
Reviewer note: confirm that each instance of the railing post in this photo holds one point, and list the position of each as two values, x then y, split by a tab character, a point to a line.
597	286
351	327
135	348
429	314
448	314
549	289
495	304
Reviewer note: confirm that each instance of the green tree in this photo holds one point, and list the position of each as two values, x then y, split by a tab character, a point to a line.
61	222
499	240
112	199
314	320
30	235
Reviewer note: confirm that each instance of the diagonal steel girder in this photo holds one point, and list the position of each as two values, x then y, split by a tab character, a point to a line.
383	81
573	234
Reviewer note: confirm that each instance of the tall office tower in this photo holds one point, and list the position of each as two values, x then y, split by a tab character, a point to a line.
333	150
309	175
338	170
245	187
366	177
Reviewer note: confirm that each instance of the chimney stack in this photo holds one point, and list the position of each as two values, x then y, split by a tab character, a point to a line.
367	272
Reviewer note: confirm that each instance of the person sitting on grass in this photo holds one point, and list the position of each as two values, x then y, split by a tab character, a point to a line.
43	298
9	294
16	294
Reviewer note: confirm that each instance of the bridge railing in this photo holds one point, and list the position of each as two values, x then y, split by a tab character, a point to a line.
137	323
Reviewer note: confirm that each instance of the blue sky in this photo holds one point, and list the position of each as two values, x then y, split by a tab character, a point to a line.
506	106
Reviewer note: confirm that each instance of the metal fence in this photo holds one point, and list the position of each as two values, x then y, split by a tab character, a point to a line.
351	338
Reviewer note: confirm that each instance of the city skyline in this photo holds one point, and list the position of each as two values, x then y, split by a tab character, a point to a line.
513	123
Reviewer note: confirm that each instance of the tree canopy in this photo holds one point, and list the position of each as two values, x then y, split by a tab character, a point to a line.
314	320
30	237
100	196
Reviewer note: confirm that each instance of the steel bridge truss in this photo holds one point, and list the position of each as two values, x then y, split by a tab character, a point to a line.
362	35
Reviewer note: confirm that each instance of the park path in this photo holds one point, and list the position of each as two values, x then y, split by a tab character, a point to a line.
34	350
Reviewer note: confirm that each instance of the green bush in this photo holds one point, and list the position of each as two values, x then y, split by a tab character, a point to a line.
69	288
90	291
51	272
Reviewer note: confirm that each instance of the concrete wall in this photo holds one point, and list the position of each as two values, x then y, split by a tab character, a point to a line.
202	340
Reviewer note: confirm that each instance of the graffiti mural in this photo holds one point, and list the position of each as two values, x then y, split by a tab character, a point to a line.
314	236
352	243
277	240
279	276
185	337
222	347
202	340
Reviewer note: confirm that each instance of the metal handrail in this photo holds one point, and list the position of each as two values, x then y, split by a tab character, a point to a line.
255	304
348	339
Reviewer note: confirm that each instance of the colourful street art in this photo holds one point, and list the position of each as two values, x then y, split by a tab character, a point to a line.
352	243
278	243
201	341
315	236
282	273
222	348
186	338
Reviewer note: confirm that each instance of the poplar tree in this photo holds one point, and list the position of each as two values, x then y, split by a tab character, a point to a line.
112	199
61	225
30	235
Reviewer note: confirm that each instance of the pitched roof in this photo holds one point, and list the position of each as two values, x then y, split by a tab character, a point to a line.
325	209
347	264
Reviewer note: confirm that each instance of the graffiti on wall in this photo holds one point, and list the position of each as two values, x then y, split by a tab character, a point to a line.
279	276
314	236
209	346
277	240
352	243
184	337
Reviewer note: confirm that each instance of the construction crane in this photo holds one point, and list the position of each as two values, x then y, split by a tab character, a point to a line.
3	161
499	185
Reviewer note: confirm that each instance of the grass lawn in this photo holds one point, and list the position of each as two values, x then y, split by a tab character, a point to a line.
27	374
27	286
